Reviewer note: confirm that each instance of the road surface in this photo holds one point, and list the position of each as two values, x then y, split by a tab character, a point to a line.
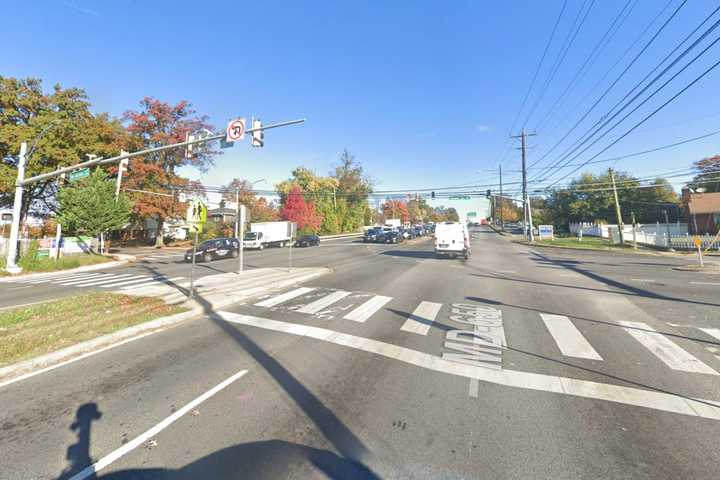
390	367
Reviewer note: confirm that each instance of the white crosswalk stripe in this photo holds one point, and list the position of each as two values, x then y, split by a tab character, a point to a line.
568	338
147	283
277	300
713	332
324	302
421	319
367	309
93	281
129	281
663	348
61	278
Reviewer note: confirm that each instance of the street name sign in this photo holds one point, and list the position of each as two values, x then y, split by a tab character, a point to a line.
78	174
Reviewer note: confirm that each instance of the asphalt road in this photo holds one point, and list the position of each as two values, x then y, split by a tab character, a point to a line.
388	368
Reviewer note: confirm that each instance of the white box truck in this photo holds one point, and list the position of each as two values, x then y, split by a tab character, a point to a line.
452	239
269	234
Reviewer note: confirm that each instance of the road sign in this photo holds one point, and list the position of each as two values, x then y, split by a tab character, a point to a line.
472	214
78	174
546	232
196	215
182	197
235	130
459	197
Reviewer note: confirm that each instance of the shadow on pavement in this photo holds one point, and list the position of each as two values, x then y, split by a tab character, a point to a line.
409	253
266	459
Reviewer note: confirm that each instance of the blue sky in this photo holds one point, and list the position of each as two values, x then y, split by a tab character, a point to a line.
423	93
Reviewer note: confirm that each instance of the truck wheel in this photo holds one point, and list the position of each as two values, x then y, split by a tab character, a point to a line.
207	258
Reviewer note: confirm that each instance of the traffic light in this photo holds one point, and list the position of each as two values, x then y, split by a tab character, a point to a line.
432	194
488	193
258	136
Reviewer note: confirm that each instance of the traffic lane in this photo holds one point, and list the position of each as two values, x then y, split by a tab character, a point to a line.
501	436
653	284
132	387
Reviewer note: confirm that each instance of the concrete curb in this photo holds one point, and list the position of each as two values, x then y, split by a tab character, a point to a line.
10	373
575	249
85	268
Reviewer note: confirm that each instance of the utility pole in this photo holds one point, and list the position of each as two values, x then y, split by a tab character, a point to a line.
502	223
58	227
237	213
634	225
617	206
11	264
527	212
667	228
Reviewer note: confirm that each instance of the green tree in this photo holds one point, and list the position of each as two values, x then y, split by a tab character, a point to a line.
89	207
69	132
708	174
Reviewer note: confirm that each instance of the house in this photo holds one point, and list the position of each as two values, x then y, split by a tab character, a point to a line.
702	211
221	215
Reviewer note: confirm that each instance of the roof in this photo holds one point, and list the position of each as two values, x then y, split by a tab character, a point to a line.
704	203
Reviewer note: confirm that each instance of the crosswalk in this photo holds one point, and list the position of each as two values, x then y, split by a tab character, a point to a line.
112	281
163	257
568	339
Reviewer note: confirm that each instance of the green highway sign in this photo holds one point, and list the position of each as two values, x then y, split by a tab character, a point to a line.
472	214
459	197
78	174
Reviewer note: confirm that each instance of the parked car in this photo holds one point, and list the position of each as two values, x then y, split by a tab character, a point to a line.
372	234
419	230
393	236
213	249
308	241
408	233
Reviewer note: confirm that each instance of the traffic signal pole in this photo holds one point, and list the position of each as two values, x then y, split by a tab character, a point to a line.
21	182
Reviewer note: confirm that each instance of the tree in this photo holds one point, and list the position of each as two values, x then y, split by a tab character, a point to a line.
258	208
451	215
708	174
65	131
396	209
90	207
159	123
297	209
350	200
321	191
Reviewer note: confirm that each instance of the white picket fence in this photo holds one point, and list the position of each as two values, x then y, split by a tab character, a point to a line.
648	234
678	242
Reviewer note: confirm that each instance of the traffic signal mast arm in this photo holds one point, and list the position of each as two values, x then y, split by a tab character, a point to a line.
105	161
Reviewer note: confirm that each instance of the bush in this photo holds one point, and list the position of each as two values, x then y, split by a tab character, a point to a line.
30	259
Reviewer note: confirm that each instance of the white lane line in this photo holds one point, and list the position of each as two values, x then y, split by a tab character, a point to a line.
474	388
326	301
568	338
648	280
75	359
713	332
704	283
668	352
425	314
100	281
154	282
148	434
100	276
367	309
277	300
511	378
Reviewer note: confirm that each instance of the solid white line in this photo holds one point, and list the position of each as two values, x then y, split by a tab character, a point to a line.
277	300
154	283
99	281
367	309
426	311
668	352
648	280
75	359
510	378
713	332
705	283
326	301
568	338
145	436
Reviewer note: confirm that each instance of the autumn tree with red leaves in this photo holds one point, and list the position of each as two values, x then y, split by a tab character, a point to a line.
396	209
160	123
300	211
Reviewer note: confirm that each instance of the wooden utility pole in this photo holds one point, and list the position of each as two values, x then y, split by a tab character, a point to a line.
527	211
617	206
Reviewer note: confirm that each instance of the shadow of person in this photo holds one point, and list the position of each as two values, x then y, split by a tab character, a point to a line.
257	460
78	454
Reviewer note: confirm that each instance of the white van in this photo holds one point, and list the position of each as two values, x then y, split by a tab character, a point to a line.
453	239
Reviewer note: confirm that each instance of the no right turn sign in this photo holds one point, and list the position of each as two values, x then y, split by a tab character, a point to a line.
235	130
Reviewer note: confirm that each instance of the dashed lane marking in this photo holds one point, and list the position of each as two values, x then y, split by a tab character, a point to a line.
511	378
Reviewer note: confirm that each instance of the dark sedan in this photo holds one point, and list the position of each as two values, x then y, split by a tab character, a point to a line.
213	249
308	241
392	237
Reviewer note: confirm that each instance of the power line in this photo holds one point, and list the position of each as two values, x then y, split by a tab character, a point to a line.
615	82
